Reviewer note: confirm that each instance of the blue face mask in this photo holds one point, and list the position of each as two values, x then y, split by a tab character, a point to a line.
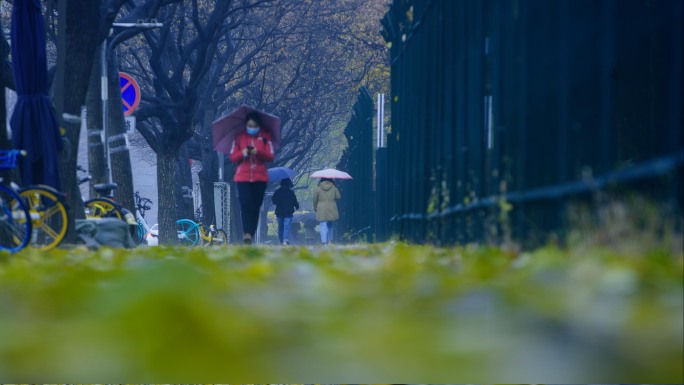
252	131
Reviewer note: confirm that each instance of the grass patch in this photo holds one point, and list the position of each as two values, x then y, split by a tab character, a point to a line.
373	312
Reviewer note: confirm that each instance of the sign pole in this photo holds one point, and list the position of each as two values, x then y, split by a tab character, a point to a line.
105	109
104	88
380	132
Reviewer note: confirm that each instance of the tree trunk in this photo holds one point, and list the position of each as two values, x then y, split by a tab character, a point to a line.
207	177
6	75
235	215
96	155
67	170
234	203
4	139
119	153
184	185
166	182
209	173
263	219
78	39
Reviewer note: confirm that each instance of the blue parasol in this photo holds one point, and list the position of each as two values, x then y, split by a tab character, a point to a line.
33	123
279	173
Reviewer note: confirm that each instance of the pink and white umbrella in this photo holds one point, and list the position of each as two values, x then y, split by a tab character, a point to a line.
331	173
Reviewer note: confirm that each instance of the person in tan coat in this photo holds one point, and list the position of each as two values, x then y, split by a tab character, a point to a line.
325	205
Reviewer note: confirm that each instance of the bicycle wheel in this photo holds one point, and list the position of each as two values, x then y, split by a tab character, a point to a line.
102	208
140	234
205	236
220	238
15	226
49	216
188	232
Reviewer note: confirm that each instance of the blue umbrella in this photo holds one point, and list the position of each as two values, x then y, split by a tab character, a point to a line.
279	173
33	123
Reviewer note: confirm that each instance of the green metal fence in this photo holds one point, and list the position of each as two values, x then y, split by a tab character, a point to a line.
357	215
526	104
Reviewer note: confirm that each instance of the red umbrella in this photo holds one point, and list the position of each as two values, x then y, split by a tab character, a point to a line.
331	173
226	128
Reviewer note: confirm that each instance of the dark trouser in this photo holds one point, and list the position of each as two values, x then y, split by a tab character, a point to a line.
251	195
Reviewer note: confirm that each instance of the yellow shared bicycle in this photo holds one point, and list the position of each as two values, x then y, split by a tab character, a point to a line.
49	215
191	233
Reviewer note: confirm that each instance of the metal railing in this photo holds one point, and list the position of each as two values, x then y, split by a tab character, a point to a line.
535	103
357	214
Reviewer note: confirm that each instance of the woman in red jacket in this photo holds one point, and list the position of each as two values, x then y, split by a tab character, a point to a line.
251	150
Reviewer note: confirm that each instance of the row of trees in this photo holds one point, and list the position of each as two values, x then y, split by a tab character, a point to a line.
301	60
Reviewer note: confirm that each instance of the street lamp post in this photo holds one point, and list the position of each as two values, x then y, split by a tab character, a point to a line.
105	89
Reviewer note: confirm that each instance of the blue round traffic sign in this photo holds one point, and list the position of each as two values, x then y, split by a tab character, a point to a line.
130	93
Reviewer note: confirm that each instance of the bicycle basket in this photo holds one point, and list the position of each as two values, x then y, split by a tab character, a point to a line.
8	159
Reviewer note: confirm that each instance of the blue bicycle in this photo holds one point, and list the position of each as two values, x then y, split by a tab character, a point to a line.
15	218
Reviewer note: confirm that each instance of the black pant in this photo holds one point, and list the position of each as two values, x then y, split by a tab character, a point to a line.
251	195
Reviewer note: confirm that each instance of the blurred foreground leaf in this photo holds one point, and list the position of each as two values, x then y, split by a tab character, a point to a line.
379	312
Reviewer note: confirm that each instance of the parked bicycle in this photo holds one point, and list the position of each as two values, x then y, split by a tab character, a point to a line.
144	230
191	233
15	226
49	215
105	205
214	237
